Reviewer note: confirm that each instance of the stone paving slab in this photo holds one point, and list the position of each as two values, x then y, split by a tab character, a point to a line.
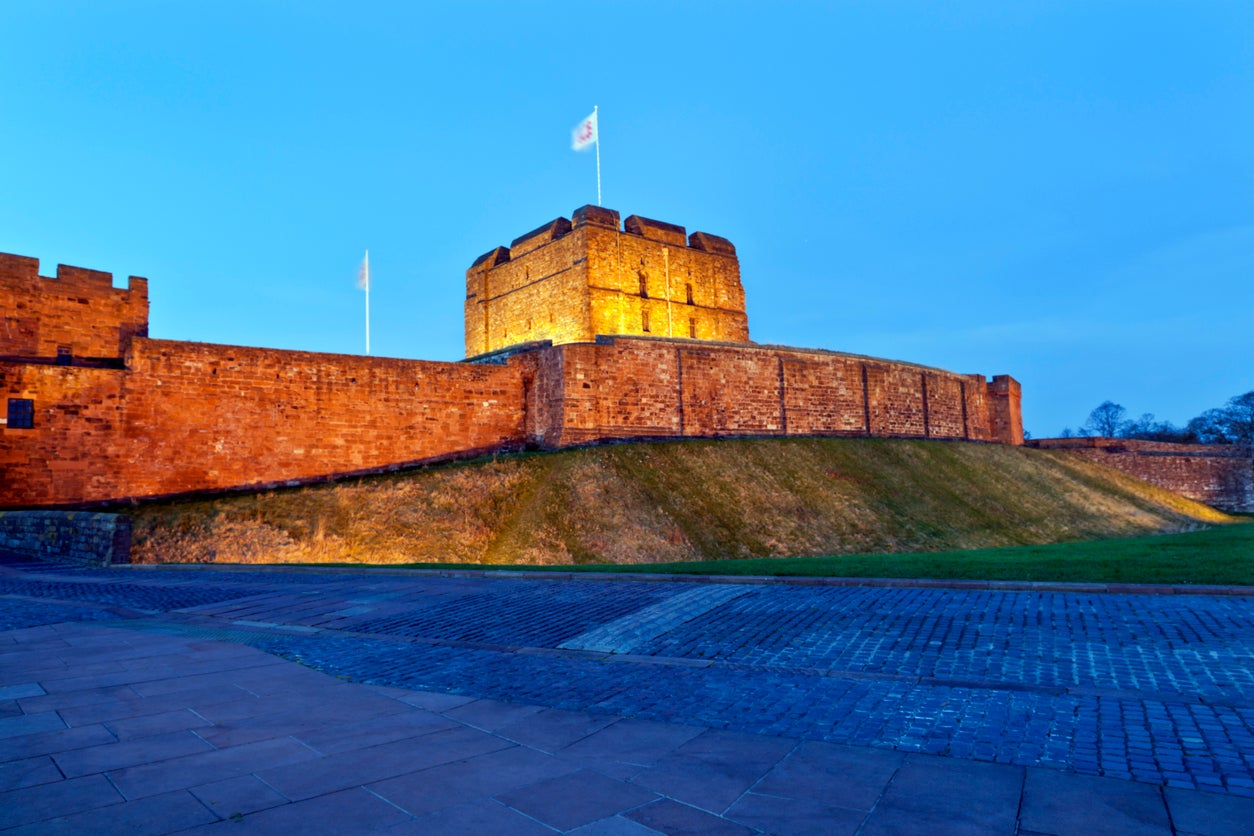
862	710
1059	803
921	795
473	779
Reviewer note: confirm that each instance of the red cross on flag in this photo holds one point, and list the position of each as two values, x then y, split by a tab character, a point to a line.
585	133
363	273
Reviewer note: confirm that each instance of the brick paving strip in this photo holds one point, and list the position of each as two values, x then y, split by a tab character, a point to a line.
169	701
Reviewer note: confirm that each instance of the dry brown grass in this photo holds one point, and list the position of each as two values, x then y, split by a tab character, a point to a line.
676	501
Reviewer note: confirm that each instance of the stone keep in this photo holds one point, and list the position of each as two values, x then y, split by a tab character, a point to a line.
572	280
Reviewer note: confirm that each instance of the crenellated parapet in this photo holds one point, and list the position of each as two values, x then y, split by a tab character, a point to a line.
571	280
77	313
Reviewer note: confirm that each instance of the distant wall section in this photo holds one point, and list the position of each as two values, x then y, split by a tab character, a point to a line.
1217	475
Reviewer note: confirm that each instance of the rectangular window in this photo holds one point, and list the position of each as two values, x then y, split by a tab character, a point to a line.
689	286
21	414
644	286
692	328
644	321
63	355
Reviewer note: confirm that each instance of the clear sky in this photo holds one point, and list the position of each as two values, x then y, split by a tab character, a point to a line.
1061	191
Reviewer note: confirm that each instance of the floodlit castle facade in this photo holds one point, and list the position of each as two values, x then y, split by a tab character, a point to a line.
585	330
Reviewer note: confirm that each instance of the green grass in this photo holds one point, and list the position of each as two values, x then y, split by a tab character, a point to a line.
1221	555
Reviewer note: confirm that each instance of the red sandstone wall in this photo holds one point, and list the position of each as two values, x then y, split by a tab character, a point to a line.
637	388
79	309
1134	445
730	392
631	392
80	427
190	417
186	417
1217	475
1004	409
823	396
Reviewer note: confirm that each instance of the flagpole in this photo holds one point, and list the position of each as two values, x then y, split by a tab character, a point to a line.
366	274
597	121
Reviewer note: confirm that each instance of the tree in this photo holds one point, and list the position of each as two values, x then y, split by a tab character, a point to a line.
1144	427
1232	423
1208	428
1237	418
1108	420
1148	428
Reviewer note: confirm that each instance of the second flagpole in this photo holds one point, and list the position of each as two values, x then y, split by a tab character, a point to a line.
596	119
363	282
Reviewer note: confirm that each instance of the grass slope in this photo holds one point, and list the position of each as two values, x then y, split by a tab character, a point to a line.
677	501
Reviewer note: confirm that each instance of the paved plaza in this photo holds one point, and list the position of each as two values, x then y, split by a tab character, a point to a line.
177	699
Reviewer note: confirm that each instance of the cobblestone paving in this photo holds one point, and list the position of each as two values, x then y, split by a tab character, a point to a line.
1151	688
16	615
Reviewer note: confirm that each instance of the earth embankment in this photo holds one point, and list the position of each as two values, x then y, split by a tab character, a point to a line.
674	501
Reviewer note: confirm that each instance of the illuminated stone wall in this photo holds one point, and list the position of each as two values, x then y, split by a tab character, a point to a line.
630	387
572	280
187	417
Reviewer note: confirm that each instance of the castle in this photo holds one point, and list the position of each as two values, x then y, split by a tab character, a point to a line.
584	330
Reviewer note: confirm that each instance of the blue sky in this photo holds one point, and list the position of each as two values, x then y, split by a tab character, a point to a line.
1061	191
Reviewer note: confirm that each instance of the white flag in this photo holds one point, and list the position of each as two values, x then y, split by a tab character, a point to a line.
363	273
585	133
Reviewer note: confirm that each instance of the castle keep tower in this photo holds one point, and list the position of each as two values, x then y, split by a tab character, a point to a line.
570	280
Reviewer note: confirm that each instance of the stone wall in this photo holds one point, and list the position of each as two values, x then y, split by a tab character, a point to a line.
67	536
188	417
1219	476
571	280
79	313
633	387
184	417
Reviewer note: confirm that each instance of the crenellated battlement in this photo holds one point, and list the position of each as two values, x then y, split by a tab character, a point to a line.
24	268
76	313
570	280
597	216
